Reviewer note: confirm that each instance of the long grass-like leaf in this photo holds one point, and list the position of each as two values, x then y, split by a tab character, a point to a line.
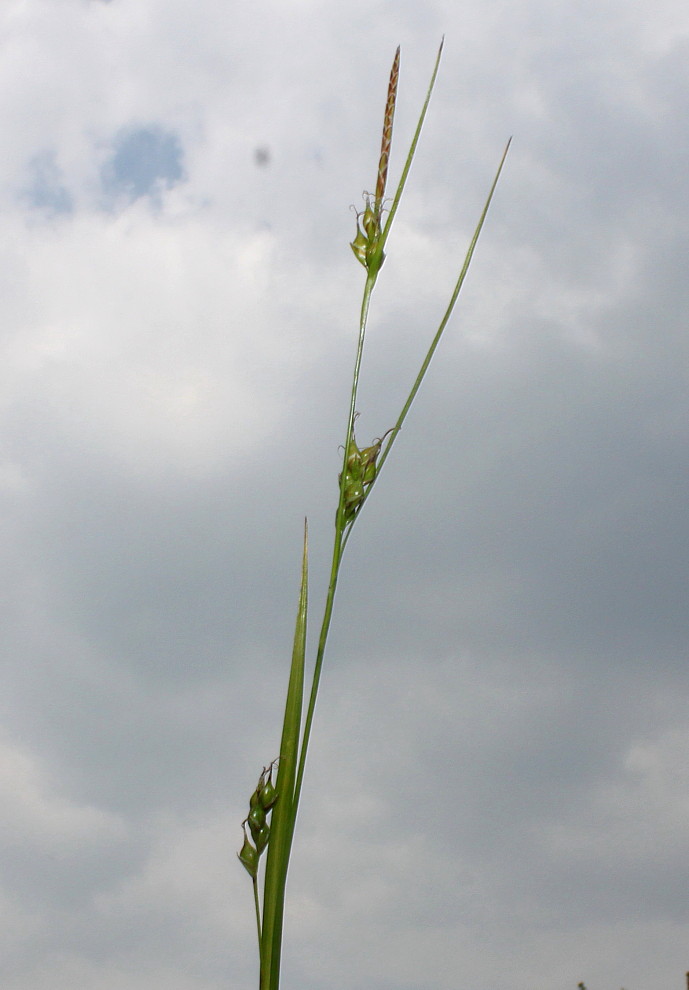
281	827
448	312
394	433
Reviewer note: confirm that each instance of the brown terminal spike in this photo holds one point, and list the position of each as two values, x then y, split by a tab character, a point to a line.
387	133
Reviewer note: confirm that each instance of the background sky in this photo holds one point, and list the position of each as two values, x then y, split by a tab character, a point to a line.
498	792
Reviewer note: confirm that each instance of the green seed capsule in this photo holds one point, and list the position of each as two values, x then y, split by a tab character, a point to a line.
255	798
369	455
371	224
370	252
353	495
262	839
354	489
256	820
353	458
249	857
359	246
268	795
370	473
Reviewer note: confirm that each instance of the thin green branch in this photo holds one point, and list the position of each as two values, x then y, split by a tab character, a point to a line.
257	905
338	545
439	332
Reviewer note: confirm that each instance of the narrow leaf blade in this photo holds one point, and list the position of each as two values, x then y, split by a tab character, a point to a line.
280	844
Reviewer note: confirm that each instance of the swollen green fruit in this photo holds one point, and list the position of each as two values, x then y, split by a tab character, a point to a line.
370	224
268	795
359	245
256	820
369	456
262	839
248	857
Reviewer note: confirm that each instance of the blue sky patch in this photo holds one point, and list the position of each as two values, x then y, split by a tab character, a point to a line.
144	160
46	190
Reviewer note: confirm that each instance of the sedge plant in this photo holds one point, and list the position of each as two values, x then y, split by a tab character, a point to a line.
273	806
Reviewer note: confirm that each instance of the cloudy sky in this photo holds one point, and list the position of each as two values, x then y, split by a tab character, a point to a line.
498	792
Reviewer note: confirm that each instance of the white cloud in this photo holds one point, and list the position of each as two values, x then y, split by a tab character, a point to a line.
496	787
34	815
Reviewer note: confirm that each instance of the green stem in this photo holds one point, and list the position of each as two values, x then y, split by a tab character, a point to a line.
258	910
338	546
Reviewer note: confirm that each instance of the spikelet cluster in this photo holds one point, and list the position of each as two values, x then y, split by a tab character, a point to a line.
260	805
360	473
368	232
